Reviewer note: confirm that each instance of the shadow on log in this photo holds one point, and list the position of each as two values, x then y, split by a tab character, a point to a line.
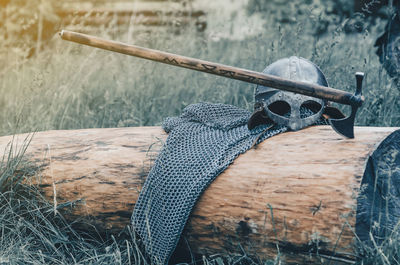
296	192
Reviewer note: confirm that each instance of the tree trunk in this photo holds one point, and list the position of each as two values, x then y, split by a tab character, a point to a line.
296	192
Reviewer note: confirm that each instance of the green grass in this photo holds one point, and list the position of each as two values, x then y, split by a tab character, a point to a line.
33	232
67	86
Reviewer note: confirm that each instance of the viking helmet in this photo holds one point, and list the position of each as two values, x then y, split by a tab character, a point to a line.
286	108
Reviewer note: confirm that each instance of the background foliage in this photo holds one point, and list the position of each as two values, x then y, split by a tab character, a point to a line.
60	85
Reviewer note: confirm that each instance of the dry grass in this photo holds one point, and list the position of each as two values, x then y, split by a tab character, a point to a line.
67	86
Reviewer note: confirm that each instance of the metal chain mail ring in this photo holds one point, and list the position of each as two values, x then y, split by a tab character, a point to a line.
202	143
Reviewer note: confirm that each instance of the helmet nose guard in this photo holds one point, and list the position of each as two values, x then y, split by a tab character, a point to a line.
286	108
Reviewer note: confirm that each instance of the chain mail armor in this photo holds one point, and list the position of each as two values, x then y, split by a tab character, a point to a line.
202	143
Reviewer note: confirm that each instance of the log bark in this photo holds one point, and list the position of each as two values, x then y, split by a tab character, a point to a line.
296	192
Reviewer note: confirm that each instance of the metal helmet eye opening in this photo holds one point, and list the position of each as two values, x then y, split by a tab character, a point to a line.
289	109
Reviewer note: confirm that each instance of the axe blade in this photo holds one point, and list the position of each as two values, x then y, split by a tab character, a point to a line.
345	126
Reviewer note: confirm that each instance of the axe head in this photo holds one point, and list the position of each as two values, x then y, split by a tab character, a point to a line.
345	126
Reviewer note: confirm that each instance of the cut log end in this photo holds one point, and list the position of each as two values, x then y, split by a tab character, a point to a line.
378	202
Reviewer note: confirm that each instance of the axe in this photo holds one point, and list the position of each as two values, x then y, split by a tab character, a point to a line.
343	126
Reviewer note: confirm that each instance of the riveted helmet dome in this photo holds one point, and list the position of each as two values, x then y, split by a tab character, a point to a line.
294	68
286	108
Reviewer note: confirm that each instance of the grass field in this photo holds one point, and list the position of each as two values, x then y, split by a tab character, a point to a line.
67	86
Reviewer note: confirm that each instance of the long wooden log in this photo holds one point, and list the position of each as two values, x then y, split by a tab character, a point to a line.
295	192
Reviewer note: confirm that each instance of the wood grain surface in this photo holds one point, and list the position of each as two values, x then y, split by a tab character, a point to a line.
295	192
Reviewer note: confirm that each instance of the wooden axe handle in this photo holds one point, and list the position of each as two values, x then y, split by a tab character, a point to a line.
304	88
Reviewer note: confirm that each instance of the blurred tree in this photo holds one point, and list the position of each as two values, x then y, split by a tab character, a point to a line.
4	3
331	12
355	16
372	7
27	24
389	44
